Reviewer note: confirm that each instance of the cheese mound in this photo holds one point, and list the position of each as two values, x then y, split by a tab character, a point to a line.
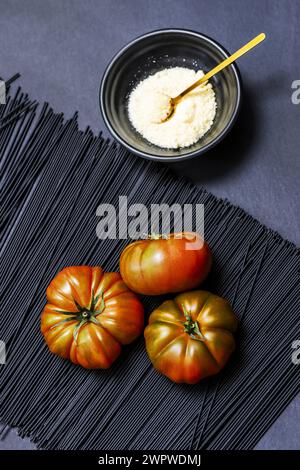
193	116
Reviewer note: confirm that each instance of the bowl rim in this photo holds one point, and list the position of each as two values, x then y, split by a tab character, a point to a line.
187	155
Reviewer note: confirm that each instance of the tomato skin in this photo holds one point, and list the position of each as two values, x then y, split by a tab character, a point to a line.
161	266
189	357
100	337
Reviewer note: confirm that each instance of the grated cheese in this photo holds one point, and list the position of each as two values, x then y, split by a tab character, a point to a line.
193	115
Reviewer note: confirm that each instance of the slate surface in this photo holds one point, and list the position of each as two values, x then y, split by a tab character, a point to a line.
62	47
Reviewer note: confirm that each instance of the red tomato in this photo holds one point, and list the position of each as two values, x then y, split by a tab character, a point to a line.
162	265
191	337
89	315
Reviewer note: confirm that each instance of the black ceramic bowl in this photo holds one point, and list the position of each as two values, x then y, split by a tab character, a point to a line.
149	54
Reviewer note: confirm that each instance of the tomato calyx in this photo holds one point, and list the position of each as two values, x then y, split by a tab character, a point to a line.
156	236
191	327
84	314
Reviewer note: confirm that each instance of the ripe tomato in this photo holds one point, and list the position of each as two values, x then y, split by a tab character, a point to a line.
162	265
89	315
191	337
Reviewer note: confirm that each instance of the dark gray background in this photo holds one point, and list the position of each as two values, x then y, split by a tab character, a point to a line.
61	48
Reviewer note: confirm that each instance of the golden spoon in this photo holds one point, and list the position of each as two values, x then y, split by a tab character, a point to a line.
166	105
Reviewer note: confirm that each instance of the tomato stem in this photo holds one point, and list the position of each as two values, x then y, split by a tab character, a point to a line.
84	314
157	236
191	327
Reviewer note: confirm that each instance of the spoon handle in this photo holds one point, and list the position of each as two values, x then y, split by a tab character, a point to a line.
223	64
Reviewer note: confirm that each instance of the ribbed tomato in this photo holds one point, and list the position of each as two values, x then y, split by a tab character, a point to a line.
89	315
161	265
191	337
